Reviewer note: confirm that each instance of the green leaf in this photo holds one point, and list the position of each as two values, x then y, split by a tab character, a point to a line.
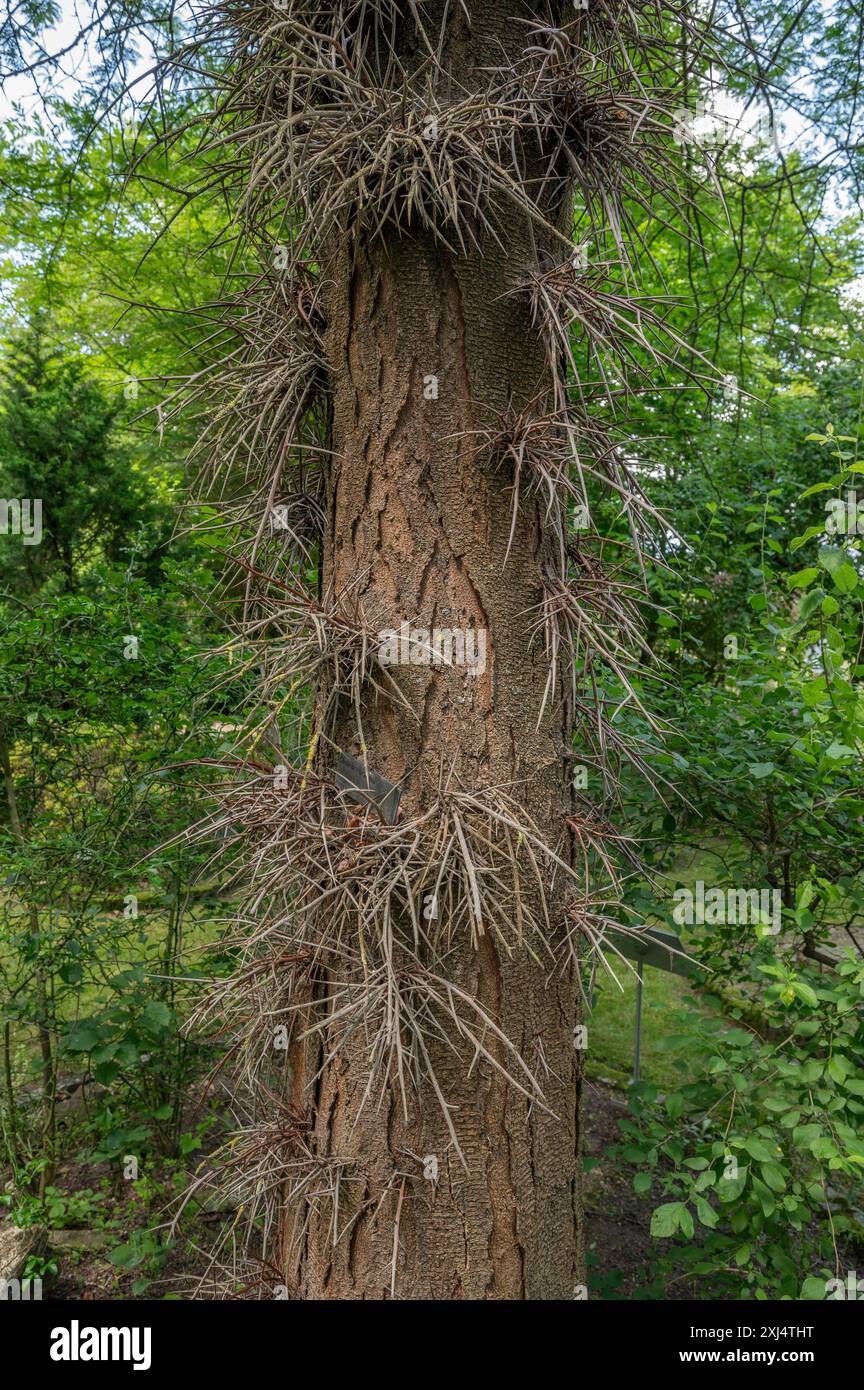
815	692
730	1189
813	1289
706	1213
835	751
845	577
810	603
838	1068
802	578
818	487
157	1017
804	895
126	1256
82	1036
106	1072
806	536
831	557
760	1150
666	1220
773	1176
675	1105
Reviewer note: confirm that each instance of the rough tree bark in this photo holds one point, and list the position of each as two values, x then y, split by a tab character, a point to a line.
418	526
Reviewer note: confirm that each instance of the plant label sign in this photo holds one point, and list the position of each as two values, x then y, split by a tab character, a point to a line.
367	787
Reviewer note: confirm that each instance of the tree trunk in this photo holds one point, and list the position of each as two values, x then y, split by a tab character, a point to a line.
425	348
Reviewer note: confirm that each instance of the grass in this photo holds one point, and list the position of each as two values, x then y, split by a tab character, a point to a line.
612	1021
611	1027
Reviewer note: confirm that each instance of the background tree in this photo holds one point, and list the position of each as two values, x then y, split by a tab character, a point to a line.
58	445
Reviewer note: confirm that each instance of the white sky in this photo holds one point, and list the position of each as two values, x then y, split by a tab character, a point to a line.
24	93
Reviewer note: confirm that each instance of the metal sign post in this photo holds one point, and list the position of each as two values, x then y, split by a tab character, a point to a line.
637	1042
664	951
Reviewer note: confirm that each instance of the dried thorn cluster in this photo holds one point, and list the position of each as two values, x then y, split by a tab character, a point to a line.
595	622
536	446
345	114
349	925
592	628
597	92
298	647
403	160
622	330
261	402
263	1166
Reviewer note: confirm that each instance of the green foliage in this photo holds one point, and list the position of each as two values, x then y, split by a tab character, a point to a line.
106	710
145	1254
758	1149
57	445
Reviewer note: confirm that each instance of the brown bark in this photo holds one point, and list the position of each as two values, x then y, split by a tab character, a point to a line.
419	521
